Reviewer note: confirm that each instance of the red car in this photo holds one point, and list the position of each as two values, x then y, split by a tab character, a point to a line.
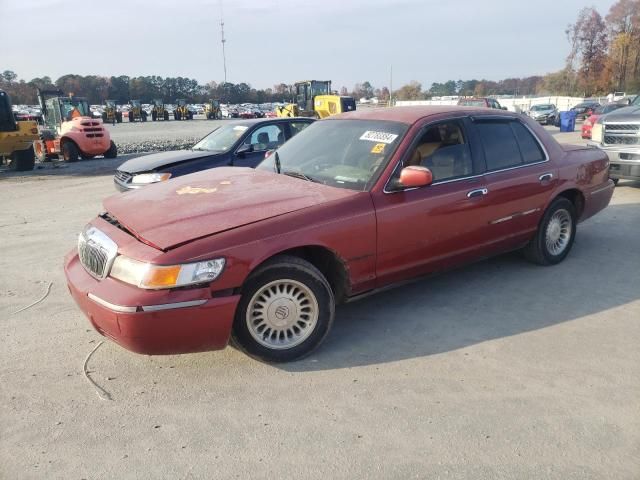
593	118
352	204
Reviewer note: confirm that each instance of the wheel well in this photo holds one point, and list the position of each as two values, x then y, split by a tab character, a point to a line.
330	265
576	197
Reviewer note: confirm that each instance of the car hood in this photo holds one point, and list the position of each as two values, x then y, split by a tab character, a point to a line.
626	114
168	214
154	161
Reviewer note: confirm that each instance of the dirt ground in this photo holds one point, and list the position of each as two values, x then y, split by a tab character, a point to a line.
501	369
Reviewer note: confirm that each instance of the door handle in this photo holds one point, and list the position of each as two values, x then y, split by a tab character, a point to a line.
545	177
477	192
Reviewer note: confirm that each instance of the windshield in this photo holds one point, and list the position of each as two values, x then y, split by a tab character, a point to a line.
541	107
341	153
72	107
221	139
473	103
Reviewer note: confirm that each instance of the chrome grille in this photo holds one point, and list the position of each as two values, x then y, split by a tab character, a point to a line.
123	177
622	127
96	252
621	140
622	133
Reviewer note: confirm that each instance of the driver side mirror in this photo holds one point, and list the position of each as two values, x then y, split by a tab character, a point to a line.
414	177
243	149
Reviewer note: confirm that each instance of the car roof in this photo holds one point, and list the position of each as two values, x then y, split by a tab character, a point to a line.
411	115
252	121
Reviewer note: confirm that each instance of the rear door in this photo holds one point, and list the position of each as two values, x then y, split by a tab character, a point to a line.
519	175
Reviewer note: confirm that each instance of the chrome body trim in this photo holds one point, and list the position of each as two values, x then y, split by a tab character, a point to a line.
112	306
169	306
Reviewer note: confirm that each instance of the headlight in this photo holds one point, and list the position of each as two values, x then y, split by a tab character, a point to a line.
145	178
596	132
150	276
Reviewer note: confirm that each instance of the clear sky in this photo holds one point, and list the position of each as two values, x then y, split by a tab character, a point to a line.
272	41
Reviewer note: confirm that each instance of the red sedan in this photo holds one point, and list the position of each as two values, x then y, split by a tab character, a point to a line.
352	204
593	118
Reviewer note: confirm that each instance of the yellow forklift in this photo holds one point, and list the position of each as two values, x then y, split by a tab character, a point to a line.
110	114
16	138
182	112
212	110
136	112
314	98
158	111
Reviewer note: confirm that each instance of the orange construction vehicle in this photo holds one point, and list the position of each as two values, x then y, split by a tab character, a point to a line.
69	129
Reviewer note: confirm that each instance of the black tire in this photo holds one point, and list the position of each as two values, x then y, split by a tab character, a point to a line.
131	116
119	117
285	268
144	116
166	116
112	152
177	115
537	250
23	160
154	116
70	152
104	117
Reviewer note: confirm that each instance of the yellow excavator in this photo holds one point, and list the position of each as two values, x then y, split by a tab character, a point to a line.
314	98
16	138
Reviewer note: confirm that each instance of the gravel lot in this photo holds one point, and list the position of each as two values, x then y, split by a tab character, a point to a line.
498	370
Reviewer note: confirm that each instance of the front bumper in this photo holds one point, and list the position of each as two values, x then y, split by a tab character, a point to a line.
624	163
152	322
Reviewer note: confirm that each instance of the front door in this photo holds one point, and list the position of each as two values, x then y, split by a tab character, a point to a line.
260	140
438	226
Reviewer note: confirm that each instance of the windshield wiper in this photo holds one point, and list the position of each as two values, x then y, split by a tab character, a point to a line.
301	175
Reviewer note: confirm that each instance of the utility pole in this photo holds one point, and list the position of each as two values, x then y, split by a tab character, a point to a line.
224	57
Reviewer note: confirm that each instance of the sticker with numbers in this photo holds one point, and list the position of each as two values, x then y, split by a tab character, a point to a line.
378	137
378	148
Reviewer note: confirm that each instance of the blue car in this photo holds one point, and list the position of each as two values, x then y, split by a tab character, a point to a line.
241	143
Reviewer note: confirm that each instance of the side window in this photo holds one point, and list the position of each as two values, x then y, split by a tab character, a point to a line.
529	146
297	127
500	146
444	150
266	138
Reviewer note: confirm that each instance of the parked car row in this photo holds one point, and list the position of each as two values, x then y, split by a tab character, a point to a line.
349	205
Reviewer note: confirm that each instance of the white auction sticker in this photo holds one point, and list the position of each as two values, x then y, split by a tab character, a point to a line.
378	137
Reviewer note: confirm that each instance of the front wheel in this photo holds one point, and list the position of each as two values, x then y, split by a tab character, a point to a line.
112	152
286	311
23	160
70	152
554	238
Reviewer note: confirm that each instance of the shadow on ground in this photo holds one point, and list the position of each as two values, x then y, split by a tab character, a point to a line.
491	299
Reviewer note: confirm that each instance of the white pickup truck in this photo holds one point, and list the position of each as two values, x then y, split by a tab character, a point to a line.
618	134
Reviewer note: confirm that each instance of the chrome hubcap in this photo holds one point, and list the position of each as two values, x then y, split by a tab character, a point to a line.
558	232
282	314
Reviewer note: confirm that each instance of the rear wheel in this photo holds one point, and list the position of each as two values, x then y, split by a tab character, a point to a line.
70	152
112	152
23	160
554	238
286	311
